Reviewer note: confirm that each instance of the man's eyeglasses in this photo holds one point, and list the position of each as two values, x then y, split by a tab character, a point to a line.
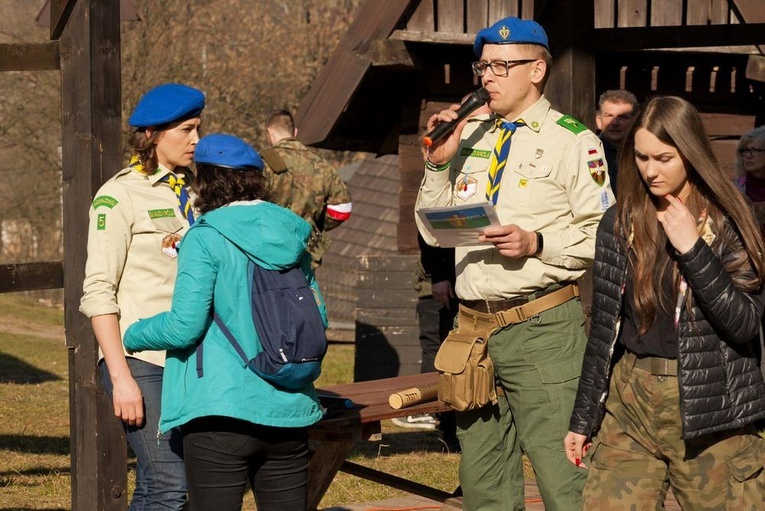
498	67
751	151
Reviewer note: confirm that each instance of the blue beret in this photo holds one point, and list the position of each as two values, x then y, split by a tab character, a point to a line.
227	151
167	103
511	31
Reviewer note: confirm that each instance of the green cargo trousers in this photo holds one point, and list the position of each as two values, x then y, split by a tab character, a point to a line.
538	363
639	452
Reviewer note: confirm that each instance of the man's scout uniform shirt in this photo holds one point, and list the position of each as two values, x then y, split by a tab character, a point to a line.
135	227
555	182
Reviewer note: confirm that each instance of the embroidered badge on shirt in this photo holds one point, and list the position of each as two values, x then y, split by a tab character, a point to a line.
466	187
104	200
597	170
161	213
538	154
170	245
101	223
477	153
522	183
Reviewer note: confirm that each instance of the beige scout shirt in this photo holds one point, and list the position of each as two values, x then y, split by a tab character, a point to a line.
556	182
134	223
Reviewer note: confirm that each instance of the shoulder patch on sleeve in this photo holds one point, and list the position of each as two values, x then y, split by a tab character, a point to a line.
104	200
274	160
571	124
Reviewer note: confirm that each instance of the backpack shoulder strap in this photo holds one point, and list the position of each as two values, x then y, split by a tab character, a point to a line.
219	321
223	328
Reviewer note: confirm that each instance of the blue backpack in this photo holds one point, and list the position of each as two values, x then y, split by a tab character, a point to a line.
289	326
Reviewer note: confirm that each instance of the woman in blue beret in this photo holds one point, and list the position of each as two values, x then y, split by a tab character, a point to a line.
136	221
237	426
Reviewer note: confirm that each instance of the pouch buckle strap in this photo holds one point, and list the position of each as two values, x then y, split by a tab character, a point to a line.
474	322
523	312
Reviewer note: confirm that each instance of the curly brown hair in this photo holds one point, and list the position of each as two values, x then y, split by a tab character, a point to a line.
218	186
146	149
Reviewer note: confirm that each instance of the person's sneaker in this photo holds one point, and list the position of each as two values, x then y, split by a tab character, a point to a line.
421	421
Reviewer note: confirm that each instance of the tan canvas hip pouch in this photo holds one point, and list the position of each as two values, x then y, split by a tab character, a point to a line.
466	372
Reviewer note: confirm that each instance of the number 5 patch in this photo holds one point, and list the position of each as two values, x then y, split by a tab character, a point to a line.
101	224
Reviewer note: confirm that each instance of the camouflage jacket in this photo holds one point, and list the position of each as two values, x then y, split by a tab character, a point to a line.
306	183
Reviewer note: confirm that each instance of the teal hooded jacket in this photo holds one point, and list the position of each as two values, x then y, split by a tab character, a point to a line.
212	274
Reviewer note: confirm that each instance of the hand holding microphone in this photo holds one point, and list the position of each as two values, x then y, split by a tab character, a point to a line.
476	100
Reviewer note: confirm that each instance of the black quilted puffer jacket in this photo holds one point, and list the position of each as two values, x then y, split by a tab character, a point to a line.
721	386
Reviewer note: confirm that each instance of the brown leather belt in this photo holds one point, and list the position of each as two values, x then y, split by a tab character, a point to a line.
519	309
657	366
494	306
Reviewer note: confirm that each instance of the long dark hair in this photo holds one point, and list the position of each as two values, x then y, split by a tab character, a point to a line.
674	121
218	186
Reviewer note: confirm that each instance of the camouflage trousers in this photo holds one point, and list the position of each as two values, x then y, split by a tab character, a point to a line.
639	453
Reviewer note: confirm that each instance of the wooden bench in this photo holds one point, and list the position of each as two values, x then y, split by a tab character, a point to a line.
334	436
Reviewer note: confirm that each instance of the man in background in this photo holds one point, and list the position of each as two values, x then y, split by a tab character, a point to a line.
616	109
304	182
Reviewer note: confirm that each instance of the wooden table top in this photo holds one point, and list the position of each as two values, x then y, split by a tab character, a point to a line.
370	400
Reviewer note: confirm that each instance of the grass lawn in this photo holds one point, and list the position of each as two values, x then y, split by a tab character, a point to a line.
34	422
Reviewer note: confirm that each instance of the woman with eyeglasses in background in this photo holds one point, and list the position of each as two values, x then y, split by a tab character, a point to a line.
750	170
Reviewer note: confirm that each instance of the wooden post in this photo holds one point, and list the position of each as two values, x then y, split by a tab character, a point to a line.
571	87
91	118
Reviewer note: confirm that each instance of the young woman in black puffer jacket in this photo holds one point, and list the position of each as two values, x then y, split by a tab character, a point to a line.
670	383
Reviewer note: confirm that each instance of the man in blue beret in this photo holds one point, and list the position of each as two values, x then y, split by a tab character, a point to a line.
544	174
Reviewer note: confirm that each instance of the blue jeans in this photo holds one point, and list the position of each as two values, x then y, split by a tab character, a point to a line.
160	481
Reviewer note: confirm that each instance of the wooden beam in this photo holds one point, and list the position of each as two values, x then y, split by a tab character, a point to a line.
433	37
752	11
755	68
91	119
29	56
332	90
394	481
31	276
389	53
60	10
653	38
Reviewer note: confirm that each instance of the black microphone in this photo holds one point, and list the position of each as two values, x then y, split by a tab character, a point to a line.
476	100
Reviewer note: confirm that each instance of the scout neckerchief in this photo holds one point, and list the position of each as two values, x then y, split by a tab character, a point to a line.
177	183
499	157
704	226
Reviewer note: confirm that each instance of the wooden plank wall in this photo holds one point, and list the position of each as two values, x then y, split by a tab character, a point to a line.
387	333
460	17
656	13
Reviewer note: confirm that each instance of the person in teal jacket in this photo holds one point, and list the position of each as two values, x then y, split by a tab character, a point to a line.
237	427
